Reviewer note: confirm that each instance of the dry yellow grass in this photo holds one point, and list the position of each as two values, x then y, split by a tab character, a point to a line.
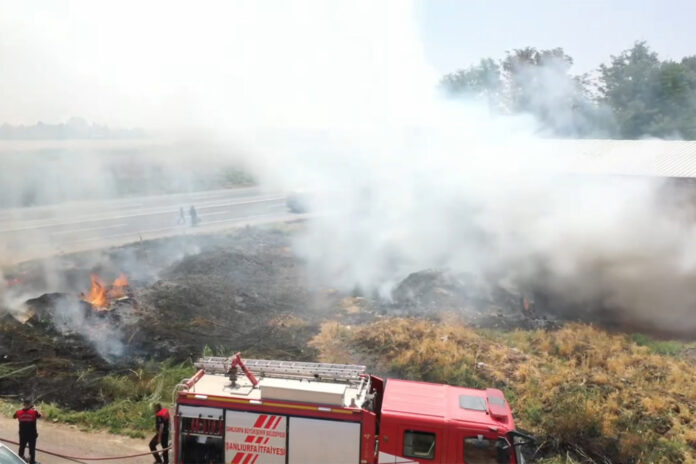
352	305
287	321
577	386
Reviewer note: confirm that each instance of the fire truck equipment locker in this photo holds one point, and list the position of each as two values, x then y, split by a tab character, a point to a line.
316	441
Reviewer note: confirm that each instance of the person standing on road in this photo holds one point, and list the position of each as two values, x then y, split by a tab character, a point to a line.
182	217
162	435
27	417
194	216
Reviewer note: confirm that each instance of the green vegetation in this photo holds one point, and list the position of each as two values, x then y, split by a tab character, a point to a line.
128	400
633	96
232	177
582	391
649	96
665	347
585	393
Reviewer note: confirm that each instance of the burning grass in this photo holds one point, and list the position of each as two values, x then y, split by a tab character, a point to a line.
100	297
580	389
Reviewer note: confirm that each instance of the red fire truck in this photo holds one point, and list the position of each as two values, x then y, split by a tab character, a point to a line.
282	412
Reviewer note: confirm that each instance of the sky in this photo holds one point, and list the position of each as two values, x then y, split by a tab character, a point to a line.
457	33
178	63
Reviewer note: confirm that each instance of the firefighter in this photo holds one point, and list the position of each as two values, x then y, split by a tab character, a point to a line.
27	417
162	435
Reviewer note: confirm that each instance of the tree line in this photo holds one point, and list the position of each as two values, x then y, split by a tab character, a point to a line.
634	95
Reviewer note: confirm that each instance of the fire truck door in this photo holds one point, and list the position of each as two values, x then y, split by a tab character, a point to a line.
469	447
411	443
317	441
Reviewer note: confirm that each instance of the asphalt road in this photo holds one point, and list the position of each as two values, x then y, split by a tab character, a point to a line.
27	233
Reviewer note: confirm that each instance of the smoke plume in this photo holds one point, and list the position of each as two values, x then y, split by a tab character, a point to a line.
418	183
103	334
337	99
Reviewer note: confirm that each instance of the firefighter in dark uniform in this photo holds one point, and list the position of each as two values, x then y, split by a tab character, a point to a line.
162	435
27	417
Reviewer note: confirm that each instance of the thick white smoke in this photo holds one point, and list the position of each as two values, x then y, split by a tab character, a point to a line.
418	183
336	98
483	197
105	336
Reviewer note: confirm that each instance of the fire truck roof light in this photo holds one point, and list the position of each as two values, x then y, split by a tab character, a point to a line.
259	402
201	397
321	408
497	405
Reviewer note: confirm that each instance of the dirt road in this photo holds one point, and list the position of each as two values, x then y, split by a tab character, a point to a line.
70	440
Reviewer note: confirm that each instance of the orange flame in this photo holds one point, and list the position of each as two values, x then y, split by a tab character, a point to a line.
118	290
97	293
121	281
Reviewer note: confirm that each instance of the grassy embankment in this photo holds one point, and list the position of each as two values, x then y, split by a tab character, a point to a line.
582	391
590	396
128	400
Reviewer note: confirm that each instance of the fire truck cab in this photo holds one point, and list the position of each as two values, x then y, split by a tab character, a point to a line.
282	412
436	423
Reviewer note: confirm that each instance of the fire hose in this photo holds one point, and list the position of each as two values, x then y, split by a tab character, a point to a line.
80	459
111	458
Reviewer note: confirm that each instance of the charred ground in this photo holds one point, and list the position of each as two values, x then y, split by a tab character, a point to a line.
246	291
240	291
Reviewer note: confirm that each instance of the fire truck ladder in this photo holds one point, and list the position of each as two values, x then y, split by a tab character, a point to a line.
347	373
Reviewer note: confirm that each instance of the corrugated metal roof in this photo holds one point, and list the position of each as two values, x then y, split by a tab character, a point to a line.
652	158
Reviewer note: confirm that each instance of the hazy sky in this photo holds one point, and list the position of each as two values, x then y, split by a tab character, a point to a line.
458	33
177	62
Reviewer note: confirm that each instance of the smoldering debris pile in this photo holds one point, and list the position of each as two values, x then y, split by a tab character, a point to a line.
429	292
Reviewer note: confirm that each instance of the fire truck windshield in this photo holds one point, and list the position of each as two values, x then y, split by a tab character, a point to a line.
479	450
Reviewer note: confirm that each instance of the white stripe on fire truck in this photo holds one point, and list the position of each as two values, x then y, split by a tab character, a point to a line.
386	458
